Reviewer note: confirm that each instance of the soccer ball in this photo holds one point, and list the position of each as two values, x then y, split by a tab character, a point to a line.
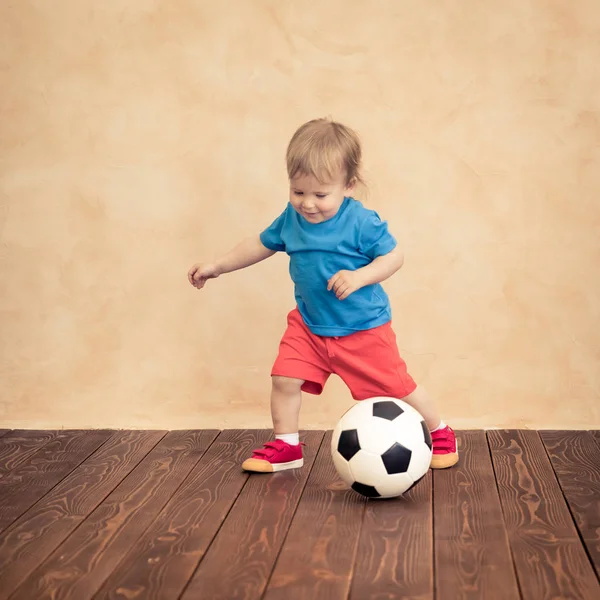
381	447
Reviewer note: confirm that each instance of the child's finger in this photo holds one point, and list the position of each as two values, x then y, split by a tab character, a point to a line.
347	291
331	282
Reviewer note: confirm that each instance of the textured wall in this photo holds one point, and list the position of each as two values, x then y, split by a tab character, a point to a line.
139	137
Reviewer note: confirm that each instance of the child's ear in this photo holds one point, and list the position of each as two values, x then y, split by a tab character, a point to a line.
351	184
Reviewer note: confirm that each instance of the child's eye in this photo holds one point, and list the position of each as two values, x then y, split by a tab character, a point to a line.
321	195
298	193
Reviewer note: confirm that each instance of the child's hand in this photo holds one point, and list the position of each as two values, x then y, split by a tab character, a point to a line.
344	283
199	274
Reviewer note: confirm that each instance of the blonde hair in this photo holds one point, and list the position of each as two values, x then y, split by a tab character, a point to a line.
323	148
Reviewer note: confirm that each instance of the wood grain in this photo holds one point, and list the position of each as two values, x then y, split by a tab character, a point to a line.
42	528
165	557
240	560
317	557
395	551
548	555
472	555
143	518
79	566
22	487
3	432
596	435
575	457
17	447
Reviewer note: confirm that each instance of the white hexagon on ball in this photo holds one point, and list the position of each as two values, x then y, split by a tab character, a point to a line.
381	447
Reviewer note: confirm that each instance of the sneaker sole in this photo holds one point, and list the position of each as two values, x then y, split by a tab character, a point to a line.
444	461
256	465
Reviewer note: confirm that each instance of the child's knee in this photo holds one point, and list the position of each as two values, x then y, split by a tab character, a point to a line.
287	385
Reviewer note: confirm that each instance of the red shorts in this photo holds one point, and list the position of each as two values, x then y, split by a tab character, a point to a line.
367	361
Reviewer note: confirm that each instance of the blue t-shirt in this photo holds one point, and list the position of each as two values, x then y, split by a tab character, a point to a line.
351	239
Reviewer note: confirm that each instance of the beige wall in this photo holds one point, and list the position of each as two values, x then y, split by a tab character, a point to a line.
139	137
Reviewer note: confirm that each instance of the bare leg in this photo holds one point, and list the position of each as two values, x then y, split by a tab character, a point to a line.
444	444
286	399
422	401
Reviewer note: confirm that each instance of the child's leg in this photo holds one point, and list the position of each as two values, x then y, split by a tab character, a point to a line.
445	453
286	399
370	364
301	365
285	452
423	402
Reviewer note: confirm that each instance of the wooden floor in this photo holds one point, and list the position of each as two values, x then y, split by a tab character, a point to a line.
157	514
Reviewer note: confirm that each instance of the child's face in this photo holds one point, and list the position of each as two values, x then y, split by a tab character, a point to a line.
315	201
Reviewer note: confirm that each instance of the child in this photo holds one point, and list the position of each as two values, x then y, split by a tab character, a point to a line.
339	253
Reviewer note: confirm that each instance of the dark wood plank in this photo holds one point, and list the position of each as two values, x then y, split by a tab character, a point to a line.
39	531
165	557
17	447
395	550
596	434
317	557
24	486
79	566
472	555
549	557
240	560
575	457
3	432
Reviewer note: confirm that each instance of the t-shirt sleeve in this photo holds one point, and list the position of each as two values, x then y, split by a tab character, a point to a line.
271	237
374	238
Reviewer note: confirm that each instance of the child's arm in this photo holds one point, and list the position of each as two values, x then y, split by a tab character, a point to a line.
381	268
344	283
249	252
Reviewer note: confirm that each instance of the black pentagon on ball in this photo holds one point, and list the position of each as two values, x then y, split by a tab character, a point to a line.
396	459
365	490
426	435
386	409
348	444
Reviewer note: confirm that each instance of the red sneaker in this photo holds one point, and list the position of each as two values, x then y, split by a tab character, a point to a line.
444	448
275	456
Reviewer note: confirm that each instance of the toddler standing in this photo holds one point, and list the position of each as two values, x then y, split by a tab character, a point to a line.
340	252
